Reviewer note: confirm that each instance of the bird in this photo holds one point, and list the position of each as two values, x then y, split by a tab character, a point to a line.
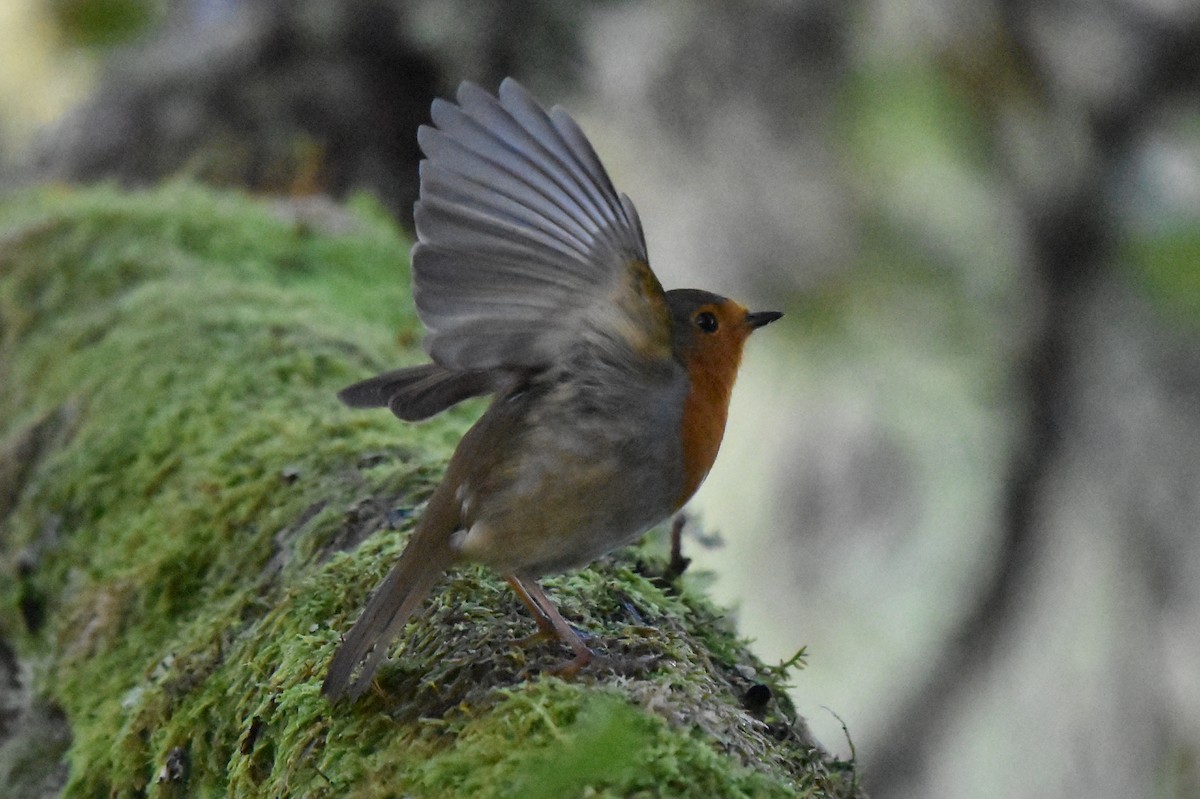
610	395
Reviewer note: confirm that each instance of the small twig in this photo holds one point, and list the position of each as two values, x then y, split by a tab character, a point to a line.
678	563
853	761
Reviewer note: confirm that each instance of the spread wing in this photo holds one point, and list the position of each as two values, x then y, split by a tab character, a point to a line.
524	246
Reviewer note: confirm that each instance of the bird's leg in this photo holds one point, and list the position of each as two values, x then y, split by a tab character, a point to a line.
545	626
545	613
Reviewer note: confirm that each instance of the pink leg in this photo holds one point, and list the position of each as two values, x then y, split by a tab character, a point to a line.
545	612
545	626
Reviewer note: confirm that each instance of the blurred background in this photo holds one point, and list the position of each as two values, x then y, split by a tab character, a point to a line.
965	470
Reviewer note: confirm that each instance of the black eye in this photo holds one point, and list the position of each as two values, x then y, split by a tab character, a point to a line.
706	322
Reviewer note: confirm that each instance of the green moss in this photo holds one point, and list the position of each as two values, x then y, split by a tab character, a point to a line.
183	546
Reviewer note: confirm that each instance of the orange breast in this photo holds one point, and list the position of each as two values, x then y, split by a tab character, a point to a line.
712	370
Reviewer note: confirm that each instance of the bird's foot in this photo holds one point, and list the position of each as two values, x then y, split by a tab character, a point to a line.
533	639
624	665
568	669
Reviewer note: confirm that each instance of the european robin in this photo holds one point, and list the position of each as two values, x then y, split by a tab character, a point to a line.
531	277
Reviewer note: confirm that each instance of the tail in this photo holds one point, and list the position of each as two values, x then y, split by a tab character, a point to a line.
418	570
418	392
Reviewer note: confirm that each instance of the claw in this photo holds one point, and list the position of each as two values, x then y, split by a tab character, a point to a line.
533	639
568	669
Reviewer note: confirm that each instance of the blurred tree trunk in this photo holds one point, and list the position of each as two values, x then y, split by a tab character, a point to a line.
1082	221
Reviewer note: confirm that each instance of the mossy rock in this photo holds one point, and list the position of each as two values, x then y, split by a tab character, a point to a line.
189	520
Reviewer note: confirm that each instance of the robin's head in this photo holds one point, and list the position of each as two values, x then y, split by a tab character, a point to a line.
709	332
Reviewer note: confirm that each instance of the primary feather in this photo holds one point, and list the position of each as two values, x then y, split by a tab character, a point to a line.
522	238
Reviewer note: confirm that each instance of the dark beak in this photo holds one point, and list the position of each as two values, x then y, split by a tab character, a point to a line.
760	318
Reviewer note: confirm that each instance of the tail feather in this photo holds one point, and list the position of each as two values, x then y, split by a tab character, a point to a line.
418	570
418	392
428	554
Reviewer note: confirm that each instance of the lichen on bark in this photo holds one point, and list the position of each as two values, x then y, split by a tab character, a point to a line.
188	521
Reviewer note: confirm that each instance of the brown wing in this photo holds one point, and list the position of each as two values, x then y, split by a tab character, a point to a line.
524	246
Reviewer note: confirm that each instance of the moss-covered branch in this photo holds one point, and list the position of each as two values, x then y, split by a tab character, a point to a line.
185	528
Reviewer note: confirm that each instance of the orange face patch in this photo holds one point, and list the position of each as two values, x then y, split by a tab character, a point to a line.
712	358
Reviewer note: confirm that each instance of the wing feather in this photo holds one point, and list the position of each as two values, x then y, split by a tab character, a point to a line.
498	188
522	238
486	130
593	194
